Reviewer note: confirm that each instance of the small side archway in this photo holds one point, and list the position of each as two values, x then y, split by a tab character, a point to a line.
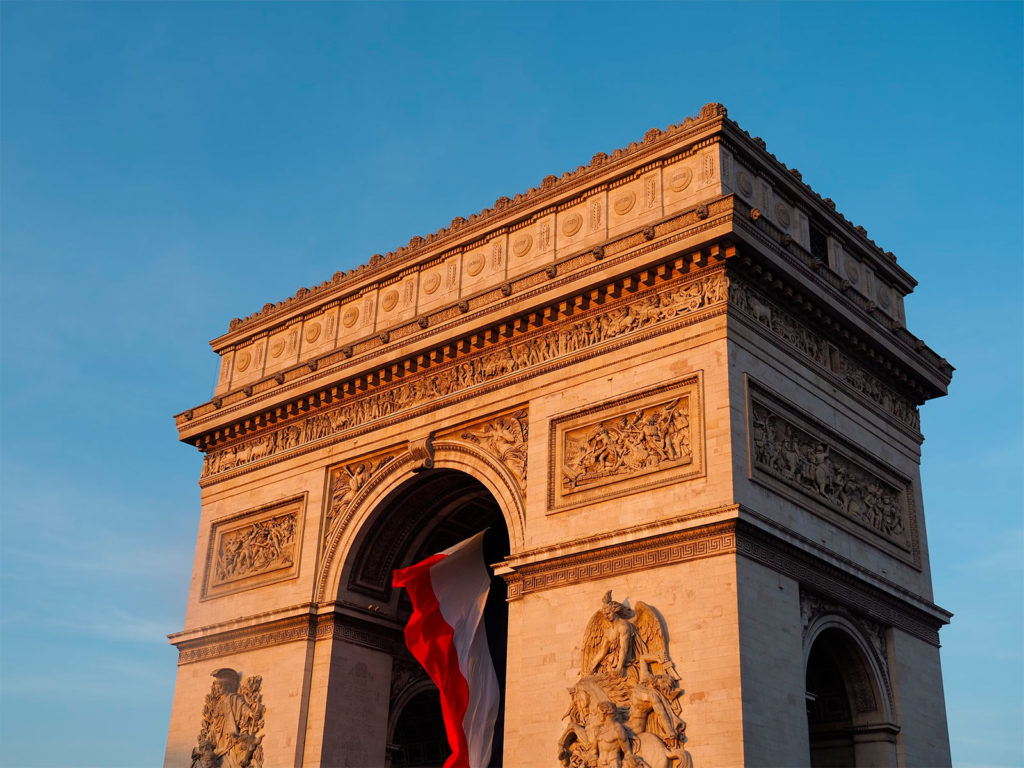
849	704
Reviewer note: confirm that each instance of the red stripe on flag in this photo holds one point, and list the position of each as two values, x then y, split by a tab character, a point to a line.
431	641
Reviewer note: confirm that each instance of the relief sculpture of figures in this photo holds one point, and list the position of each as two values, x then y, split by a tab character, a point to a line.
805	462
232	720
625	709
639	314
505	438
645	439
262	546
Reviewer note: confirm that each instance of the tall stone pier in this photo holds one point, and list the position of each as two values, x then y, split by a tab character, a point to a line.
678	389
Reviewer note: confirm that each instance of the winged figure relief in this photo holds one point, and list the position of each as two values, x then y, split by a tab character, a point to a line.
625	710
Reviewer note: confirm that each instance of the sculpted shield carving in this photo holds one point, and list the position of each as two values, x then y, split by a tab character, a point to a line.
625	710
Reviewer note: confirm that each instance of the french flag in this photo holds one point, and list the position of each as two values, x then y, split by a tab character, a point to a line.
446	635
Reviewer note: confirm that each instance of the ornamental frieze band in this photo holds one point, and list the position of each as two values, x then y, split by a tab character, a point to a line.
489	367
813	462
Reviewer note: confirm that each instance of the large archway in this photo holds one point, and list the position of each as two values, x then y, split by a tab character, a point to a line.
422	515
848	717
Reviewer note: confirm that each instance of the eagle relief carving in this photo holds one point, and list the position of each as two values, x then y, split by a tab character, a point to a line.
232	721
625	709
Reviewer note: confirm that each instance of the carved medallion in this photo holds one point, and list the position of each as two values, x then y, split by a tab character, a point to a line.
312	332
572	223
625	710
231	734
624	202
521	245
475	264
431	282
652	437
681	179
783	215
242	360
745	184
349	316
485	368
852	271
390	300
253	548
277	347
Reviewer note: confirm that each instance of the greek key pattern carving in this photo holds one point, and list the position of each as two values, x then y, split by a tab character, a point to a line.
558	344
505	437
809	464
253	548
795	334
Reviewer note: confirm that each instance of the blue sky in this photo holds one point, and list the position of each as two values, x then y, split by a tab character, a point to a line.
168	166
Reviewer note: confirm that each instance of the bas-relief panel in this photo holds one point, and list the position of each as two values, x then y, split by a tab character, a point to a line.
826	356
807	462
231	733
319	334
626	445
254	548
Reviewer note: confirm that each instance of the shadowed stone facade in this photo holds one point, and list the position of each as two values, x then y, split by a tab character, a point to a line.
677	376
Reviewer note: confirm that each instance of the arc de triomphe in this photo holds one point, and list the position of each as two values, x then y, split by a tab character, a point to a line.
677	387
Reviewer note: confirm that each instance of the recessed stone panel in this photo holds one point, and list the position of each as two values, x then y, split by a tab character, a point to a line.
357	317
484	265
254	548
396	302
439	285
319	334
633	443
634	204
283	347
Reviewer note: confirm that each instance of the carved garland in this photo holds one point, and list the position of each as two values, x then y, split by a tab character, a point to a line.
489	367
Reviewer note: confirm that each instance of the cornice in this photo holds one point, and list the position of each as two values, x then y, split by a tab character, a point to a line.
543	295
850	585
755	151
794	276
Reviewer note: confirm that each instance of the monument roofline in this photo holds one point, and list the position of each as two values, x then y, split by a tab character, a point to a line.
507	213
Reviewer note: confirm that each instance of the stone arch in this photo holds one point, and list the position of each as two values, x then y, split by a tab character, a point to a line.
849	699
396	471
402	701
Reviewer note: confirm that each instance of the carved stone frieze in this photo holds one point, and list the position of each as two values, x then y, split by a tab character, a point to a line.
231	734
625	710
254	548
828	357
531	354
647	438
814	465
504	437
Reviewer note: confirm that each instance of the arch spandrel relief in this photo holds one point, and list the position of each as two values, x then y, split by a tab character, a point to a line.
492	448
625	709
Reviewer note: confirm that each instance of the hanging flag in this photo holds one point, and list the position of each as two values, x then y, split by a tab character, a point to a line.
446	635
